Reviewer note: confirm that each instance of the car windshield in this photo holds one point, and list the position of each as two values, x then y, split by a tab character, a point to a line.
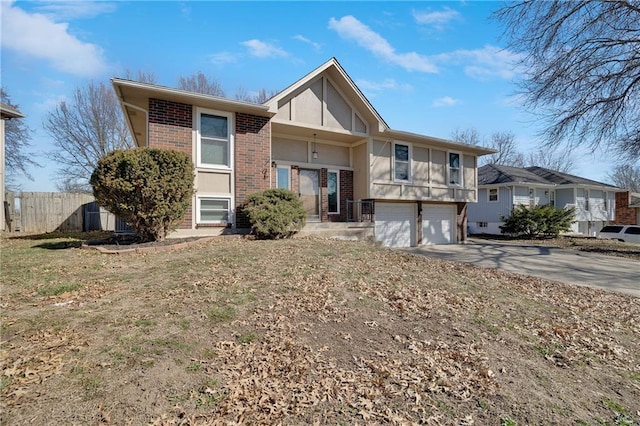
613	229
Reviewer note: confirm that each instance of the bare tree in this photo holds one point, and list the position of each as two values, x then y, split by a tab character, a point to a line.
84	130
468	136
141	76
507	155
560	160
581	65
626	176
200	83
17	142
261	97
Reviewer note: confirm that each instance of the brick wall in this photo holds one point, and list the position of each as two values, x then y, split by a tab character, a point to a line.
624	214
252	160
346	192
170	127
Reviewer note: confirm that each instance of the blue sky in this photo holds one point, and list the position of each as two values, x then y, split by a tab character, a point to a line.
427	67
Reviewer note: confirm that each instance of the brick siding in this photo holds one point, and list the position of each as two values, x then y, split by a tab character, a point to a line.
624	214
252	160
171	127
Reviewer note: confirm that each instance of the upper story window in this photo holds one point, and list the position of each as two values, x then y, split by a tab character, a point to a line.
333	191
493	195
214	139
455	169
401	166
283	177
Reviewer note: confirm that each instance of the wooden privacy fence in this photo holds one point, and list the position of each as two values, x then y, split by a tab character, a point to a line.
60	211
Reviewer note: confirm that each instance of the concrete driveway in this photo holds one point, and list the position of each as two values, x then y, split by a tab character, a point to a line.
564	265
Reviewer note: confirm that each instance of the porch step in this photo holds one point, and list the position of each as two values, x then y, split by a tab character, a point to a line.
339	230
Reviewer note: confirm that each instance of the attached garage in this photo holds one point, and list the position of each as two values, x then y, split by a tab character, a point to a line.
438	224
396	224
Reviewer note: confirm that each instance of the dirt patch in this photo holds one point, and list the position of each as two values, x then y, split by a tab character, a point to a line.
305	332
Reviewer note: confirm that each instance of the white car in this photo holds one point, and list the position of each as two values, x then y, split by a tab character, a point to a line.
626	233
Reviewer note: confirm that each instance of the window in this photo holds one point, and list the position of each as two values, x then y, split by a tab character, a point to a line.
333	191
214	139
482	224
493	195
213	210
401	162
283	177
455	177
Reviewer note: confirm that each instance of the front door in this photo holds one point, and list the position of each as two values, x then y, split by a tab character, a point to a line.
310	193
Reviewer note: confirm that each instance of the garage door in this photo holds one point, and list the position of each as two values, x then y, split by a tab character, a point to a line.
437	224
395	224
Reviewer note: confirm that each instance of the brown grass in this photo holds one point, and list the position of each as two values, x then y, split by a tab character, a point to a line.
304	331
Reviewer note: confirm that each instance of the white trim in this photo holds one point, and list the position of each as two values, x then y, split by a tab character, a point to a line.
230	211
489	200
337	172
230	138
460	184
393	161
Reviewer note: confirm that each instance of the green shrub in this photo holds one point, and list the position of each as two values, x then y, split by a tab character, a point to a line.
275	213
150	189
536	221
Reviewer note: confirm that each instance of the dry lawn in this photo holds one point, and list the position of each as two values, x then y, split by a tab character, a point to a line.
304	331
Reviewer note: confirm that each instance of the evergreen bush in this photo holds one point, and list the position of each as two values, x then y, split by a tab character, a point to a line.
150	189
275	213
536	221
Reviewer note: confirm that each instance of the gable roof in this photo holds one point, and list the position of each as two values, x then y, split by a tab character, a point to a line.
335	70
381	129
494	174
7	111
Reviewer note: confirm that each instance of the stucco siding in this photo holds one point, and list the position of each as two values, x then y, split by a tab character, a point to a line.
438	167
338	110
469	171
420	166
289	150
213	183
307	106
333	155
381	161
360	171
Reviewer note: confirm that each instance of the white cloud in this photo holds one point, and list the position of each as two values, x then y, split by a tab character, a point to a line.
374	87
262	49
303	39
69	10
438	18
350	28
222	58
446	101
38	36
485	63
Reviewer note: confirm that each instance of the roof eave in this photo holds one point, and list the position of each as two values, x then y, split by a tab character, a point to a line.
409	136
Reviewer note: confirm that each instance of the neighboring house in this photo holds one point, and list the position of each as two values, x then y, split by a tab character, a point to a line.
627	208
7	112
501	188
320	138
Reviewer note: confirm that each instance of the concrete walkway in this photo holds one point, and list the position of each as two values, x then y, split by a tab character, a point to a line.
564	265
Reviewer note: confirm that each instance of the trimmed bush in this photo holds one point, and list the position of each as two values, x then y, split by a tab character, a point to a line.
275	213
531	222
150	189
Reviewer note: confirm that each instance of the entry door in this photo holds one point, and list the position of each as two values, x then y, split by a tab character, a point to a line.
310	193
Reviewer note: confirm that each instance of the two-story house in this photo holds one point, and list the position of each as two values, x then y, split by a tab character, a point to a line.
501	188
321	138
